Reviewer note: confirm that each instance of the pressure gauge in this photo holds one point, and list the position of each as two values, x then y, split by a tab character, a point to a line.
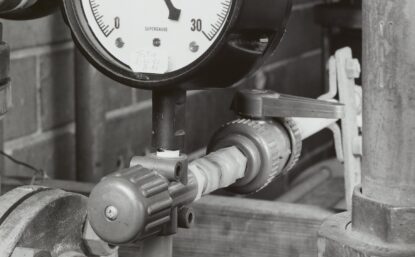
176	43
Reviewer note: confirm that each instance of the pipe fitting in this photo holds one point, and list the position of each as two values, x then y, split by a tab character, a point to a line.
139	202
219	169
267	146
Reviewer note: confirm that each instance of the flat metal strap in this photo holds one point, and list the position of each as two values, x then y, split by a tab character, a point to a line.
269	104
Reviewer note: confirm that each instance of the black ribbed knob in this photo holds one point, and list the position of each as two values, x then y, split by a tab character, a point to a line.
131	204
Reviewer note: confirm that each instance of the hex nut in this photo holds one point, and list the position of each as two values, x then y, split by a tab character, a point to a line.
95	245
338	238
392	224
186	217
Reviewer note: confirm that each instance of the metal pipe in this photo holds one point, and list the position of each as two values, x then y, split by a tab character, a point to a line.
218	170
27	9
168	137
310	126
90	121
389	101
11	5
5	94
169	120
2	164
70	186
298	191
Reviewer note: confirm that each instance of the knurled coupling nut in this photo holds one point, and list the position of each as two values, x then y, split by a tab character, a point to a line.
265	144
296	143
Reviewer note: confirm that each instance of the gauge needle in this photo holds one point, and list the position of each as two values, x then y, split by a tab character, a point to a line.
174	13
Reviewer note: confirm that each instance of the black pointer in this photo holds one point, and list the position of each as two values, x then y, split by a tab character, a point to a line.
174	13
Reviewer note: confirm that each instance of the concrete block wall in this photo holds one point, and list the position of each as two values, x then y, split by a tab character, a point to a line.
40	128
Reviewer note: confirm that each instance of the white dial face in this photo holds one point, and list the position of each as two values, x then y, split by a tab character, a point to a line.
156	36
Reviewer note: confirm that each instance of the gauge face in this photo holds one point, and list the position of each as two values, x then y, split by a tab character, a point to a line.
156	36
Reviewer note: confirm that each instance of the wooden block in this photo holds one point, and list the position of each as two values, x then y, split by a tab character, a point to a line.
244	227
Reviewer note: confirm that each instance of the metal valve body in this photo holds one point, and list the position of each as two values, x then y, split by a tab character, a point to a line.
138	203
271	147
135	204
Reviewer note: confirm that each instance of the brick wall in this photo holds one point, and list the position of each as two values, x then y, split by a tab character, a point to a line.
40	128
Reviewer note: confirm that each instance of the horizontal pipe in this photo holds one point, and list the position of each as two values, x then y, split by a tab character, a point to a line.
12	5
218	170
305	187
310	126
90	121
27	9
71	186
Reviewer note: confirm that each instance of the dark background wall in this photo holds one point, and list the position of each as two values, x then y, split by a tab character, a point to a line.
40	127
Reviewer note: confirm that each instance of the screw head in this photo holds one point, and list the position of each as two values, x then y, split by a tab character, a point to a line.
157	42
119	42
111	213
193	46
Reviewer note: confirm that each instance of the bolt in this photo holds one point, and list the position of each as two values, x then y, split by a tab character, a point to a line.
111	213
186	217
194	47
353	68
119	42
156	42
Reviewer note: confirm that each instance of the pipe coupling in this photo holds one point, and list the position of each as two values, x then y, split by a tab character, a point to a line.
265	143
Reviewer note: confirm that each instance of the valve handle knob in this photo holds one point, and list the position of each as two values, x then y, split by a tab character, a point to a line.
129	205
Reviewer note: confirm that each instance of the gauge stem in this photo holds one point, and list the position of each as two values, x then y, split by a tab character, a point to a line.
169	120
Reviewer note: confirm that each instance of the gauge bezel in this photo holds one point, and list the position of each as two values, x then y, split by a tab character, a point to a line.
110	66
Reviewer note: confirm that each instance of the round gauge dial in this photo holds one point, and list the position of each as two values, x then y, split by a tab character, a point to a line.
168	44
156	36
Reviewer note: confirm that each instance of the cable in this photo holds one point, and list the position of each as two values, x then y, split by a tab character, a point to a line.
36	171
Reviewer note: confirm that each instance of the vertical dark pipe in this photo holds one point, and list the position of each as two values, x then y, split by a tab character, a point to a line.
325	56
389	101
168	134
5	100
2	164
169	119
90	121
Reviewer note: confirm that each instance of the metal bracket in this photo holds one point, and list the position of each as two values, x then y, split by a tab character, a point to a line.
346	70
265	103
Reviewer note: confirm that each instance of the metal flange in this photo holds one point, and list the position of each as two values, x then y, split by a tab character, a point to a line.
41	221
371	229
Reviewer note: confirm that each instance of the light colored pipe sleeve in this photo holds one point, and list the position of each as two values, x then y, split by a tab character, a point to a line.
218	170
311	126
